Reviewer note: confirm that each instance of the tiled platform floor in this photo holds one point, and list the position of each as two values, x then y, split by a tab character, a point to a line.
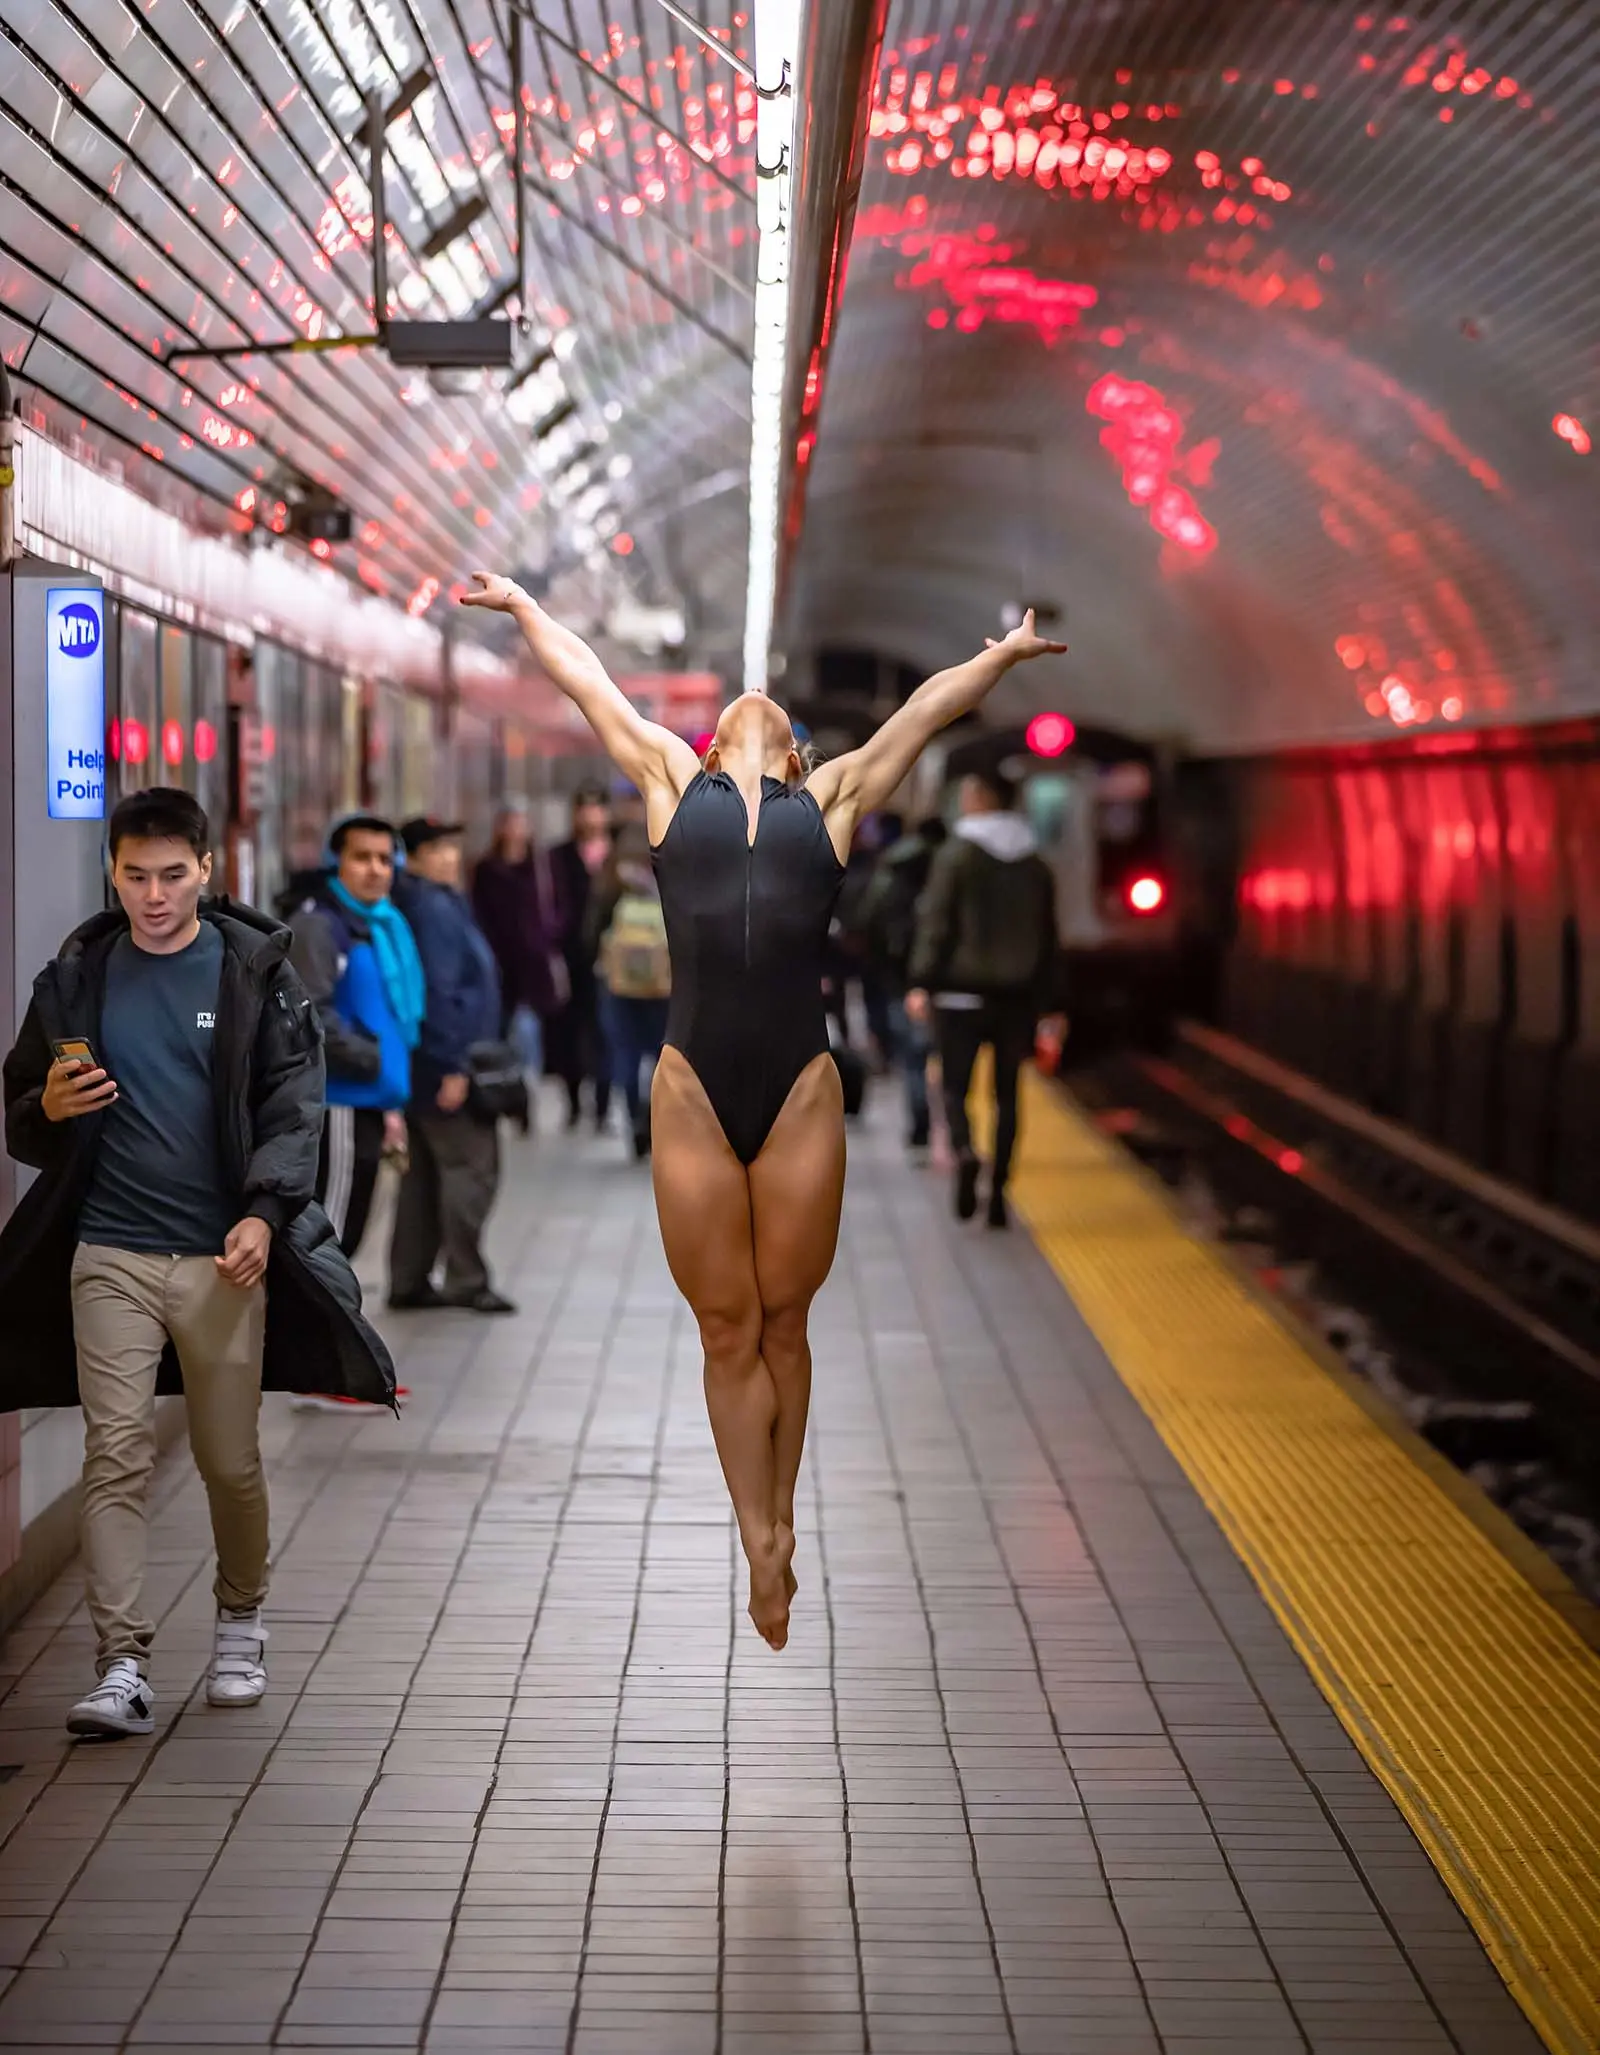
1037	1772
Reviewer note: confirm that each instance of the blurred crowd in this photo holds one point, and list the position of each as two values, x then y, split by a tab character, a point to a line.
444	986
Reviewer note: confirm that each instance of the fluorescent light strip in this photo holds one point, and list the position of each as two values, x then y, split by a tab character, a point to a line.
777	43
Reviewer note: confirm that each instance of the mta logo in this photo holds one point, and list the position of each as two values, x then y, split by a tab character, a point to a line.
79	628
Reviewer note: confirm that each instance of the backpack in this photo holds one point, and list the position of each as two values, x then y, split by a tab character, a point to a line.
633	951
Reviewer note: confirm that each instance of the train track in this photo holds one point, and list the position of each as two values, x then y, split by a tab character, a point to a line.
1490	1298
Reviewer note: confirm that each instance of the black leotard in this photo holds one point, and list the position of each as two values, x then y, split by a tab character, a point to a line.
747	926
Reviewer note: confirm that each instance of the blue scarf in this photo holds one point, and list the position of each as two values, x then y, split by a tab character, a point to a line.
399	965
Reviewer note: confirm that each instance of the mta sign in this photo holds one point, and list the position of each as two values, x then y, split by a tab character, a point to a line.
78	630
75	703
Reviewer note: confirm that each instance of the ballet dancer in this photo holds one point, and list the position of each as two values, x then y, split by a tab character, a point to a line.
746	1115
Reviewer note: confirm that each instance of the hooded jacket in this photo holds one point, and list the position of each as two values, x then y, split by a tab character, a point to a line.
369	1063
267	1078
986	924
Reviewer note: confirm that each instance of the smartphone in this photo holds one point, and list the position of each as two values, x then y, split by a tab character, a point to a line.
76	1049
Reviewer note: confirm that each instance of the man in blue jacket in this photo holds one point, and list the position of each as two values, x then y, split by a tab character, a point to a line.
454	1167
359	962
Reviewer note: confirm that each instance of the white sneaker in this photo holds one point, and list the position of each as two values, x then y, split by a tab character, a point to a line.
238	1674
121	1703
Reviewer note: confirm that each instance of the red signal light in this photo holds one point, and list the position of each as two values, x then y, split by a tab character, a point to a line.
1147	895
1050	734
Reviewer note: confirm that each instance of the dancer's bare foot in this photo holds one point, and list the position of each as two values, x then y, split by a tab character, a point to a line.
769	1590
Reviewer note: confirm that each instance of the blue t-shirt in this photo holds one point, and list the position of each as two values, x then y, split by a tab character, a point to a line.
158	1182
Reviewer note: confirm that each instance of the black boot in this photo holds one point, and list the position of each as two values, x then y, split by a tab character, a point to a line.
966	1187
998	1216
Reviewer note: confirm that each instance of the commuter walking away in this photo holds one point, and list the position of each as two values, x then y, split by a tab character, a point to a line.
360	964
986	949
453	1170
168	1083
629	938
513	899
889	923
574	1041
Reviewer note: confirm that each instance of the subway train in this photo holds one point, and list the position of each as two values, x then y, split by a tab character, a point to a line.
1417	924
1100	804
274	743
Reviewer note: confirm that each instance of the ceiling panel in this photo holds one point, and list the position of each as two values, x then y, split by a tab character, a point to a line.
193	173
1261	339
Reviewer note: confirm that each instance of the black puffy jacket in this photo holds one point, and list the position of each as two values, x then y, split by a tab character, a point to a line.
268	1076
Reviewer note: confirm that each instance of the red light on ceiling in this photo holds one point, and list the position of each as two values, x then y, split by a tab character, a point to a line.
1147	895
1292	1161
135	741
114	741
172	742
622	545
1050	734
702	742
1571	430
205	742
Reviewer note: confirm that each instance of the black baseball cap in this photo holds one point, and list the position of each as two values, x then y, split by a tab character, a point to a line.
424	828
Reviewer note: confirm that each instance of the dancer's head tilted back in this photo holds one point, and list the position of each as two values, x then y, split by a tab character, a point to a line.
754	734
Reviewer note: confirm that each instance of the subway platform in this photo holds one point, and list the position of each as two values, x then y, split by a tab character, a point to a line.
1040	1773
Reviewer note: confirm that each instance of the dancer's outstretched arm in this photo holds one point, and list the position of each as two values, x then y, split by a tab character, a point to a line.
850	787
660	763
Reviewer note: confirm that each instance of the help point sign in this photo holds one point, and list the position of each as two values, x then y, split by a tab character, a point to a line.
75	701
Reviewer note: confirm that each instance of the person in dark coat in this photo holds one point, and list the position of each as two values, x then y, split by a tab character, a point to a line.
575	1047
985	965
512	899
172	1242
454	1168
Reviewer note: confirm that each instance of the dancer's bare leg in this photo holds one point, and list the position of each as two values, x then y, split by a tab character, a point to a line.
796	1192
703	1200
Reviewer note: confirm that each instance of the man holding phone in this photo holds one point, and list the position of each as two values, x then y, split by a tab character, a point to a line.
168	1080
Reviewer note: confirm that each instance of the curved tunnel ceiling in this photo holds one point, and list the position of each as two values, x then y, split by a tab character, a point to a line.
178	174
1263	340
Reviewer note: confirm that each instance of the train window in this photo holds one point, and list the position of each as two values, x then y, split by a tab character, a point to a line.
136	701
1123	793
208	743
1125	783
1047	800
351	741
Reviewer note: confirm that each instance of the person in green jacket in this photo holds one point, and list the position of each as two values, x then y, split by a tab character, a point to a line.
984	967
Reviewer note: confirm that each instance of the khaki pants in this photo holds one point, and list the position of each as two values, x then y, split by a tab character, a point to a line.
124	1306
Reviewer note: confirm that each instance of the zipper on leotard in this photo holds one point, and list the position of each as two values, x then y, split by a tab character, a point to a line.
749	866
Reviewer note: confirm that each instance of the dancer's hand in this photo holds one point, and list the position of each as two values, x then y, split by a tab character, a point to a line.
919	1008
503	595
1023	642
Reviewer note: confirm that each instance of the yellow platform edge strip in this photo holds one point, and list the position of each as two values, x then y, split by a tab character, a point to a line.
1470	1697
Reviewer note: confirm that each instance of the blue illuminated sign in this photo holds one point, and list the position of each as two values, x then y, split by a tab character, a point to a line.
75	702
